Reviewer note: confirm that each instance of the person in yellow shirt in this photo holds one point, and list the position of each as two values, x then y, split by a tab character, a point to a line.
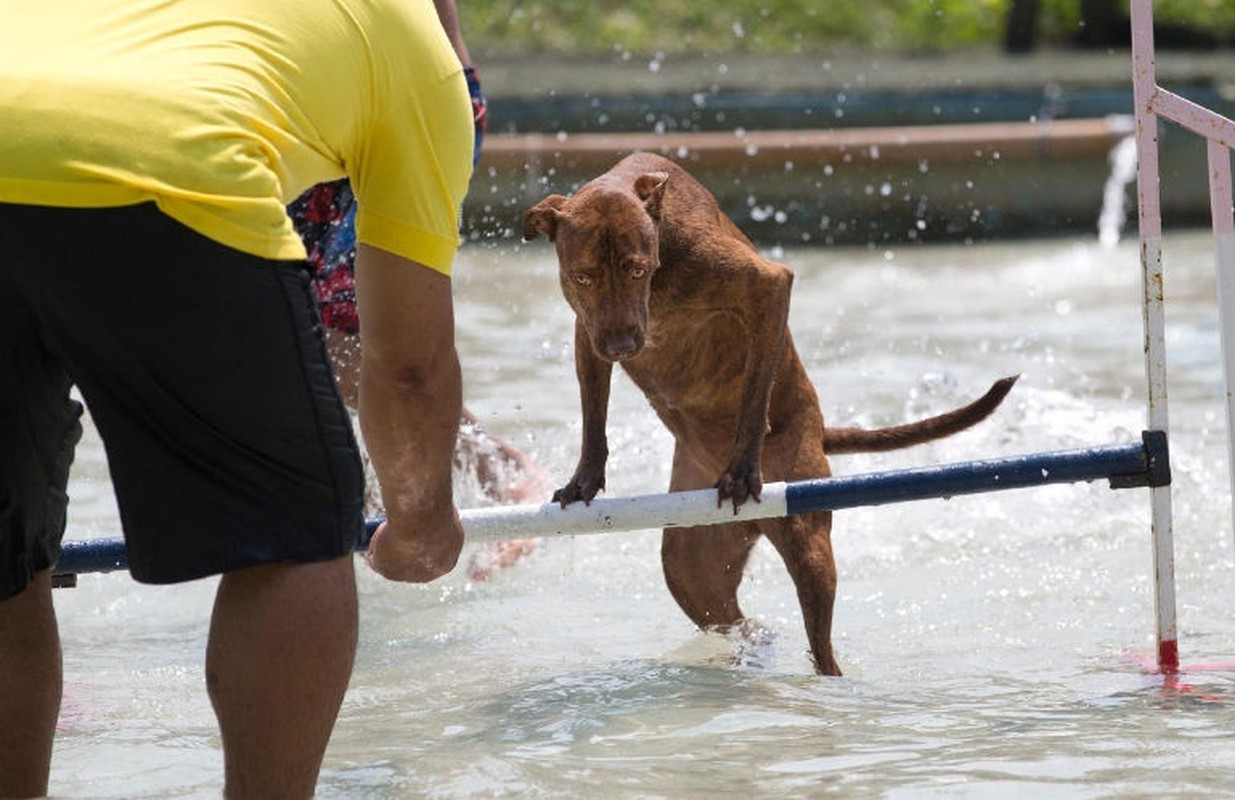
149	151
325	218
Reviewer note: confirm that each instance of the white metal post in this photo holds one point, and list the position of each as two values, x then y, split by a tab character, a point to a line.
1144	90
1224	263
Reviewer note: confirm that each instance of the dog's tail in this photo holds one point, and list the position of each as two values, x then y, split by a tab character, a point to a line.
860	440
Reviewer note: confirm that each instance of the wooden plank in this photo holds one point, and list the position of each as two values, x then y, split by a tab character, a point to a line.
979	142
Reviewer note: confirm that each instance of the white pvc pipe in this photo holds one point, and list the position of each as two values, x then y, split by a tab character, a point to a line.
608	514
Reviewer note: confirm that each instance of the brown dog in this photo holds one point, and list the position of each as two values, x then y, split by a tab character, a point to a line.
666	285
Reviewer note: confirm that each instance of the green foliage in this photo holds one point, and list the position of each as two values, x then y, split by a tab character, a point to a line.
947	24
587	27
643	26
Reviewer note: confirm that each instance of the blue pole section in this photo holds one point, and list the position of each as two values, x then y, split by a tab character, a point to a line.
970	477
1125	465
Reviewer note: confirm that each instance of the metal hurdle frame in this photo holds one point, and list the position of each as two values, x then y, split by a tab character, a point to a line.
1151	103
1124	465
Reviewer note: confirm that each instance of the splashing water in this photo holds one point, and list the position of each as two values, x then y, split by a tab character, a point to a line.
1114	212
988	641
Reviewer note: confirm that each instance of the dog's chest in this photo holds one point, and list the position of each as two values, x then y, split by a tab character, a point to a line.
692	366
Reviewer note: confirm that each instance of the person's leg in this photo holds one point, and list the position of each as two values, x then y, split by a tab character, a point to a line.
230	452
282	642
30	681
39	428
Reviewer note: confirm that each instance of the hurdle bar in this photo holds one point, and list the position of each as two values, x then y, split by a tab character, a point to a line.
1151	103
1143	463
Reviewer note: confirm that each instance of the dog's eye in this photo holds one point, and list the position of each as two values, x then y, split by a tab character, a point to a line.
583	279
638	272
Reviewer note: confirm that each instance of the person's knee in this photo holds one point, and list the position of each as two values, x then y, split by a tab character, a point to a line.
286	608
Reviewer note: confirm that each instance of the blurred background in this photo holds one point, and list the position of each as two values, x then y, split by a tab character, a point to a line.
786	26
879	122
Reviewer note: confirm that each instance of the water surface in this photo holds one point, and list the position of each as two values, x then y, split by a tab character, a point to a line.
989	642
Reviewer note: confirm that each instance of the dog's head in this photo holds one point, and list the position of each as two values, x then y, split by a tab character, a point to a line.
608	250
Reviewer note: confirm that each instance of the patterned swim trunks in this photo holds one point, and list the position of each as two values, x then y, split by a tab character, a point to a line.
325	218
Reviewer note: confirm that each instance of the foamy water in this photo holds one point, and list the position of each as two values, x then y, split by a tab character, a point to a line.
989	642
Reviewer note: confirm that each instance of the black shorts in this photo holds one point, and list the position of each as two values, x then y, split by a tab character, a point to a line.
205	372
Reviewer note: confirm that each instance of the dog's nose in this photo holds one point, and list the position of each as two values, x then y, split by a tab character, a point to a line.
619	345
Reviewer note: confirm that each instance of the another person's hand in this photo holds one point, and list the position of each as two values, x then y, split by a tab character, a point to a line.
480	109
416	555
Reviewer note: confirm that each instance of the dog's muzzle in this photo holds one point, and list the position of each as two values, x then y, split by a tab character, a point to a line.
619	345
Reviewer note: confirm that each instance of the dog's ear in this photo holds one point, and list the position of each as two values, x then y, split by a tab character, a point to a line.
650	187
542	218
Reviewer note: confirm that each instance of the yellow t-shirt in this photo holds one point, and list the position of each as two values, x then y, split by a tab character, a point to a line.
223	111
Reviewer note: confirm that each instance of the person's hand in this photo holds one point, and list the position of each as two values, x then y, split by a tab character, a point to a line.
480	109
416	555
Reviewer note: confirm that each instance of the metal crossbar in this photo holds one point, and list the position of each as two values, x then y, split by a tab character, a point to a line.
1124	465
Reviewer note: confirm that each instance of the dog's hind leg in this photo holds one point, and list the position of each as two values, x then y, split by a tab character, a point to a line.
805	545
703	568
704	565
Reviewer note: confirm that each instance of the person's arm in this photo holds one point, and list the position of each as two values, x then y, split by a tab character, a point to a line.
448	15
410	402
504	472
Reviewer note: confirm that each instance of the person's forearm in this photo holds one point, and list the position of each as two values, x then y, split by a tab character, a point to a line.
409	417
409	411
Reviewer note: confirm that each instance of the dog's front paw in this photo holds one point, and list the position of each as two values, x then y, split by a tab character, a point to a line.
579	489
738	486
